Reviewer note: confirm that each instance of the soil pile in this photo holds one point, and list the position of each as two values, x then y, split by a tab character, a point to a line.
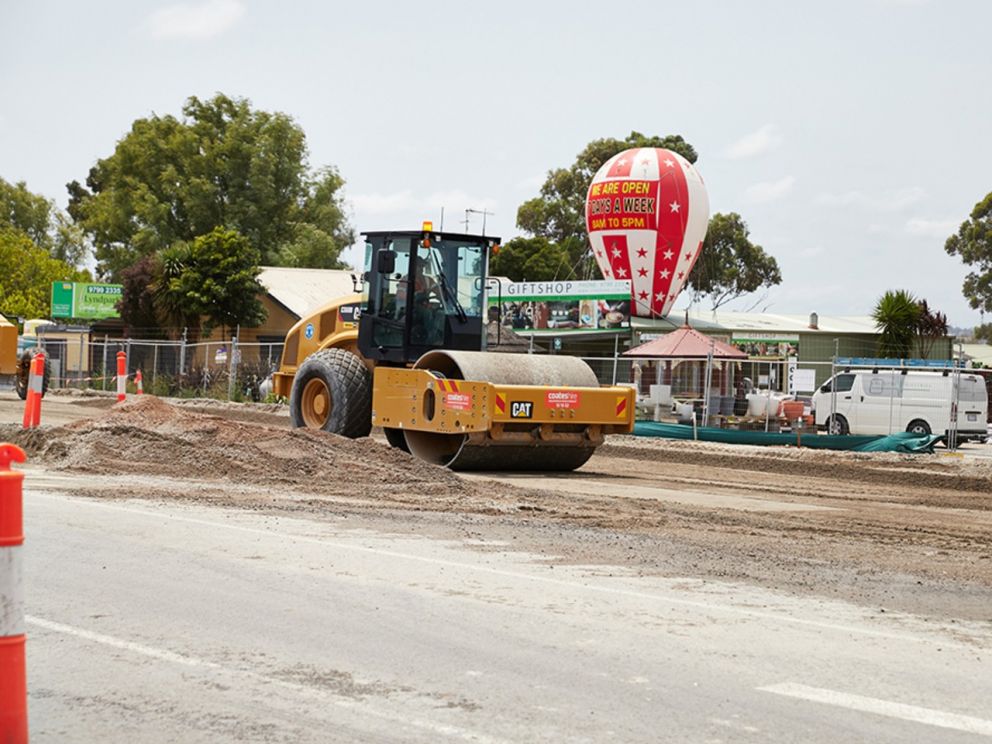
147	436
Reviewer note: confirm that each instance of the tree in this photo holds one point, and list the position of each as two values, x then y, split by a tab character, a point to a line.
897	317
223	164
734	265
973	242
730	265
931	327
43	222
137	305
27	275
983	332
559	213
530	260
216	277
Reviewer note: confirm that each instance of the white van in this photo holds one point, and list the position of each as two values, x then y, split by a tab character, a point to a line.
887	401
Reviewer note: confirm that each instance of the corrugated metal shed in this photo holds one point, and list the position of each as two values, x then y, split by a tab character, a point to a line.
979	353
303	290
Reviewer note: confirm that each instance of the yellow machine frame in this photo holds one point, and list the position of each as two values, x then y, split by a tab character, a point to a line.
420	400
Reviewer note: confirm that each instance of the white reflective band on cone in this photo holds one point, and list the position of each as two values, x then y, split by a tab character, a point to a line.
11	592
121	382
35	383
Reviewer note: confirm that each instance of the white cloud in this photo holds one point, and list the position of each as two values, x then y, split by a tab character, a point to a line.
932	228
755	143
195	21
886	201
768	191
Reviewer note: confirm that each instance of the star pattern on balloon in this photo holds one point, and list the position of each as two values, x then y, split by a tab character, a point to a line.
647	224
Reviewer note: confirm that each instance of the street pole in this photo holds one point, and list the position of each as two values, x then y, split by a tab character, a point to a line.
833	386
708	383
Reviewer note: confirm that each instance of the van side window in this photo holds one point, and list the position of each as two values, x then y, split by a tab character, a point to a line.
844	383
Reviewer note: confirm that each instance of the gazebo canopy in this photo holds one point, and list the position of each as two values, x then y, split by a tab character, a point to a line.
686	343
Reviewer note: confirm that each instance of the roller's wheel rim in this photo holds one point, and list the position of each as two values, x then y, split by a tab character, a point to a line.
316	403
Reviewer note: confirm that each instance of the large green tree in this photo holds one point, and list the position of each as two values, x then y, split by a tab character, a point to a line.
215	277
559	213
735	266
222	164
730	265
973	243
42	221
27	275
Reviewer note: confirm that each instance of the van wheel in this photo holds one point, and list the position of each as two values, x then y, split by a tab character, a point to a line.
919	427
837	424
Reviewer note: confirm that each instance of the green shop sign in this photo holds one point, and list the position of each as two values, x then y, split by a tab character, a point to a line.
85	300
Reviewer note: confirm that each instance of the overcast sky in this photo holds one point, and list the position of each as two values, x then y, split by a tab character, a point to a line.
852	136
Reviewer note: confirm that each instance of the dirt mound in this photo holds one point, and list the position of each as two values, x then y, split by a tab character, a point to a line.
147	436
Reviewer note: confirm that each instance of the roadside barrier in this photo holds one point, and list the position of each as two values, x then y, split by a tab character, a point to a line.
36	381
121	376
13	672
138	383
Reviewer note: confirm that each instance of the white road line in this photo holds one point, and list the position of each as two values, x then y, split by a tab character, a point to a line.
695	604
913	713
106	640
362	707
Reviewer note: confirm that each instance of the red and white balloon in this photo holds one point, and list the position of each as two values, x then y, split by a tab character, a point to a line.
646	213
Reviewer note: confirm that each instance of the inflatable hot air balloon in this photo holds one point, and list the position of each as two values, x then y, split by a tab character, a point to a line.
646	213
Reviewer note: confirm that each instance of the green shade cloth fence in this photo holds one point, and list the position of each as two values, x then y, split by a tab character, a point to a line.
902	441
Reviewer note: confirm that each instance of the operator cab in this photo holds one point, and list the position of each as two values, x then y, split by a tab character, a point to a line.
425	290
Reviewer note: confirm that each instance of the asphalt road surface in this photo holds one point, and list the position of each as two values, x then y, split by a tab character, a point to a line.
165	622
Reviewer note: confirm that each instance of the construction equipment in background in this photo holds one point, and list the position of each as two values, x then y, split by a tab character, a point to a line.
26	347
408	354
8	348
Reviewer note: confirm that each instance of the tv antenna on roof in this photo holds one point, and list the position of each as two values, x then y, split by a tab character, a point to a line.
483	212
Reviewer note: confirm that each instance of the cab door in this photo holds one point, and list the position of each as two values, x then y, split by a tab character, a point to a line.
846	410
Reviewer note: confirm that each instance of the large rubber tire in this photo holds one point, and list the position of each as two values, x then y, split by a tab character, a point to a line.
919	427
837	424
332	390
24	373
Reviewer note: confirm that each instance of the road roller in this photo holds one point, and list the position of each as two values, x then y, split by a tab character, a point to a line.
408	352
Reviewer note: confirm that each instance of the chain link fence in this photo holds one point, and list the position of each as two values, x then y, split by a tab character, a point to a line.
226	370
702	390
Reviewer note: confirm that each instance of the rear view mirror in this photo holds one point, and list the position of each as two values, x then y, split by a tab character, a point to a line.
385	262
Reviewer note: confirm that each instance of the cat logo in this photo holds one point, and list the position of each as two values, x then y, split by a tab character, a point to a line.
521	409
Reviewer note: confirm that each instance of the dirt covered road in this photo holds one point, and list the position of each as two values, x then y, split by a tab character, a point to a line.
891	532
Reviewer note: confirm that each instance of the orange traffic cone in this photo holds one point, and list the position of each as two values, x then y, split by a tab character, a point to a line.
32	404
138	383
121	376
13	680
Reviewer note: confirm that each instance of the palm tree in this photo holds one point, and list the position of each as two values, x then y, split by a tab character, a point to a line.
897	317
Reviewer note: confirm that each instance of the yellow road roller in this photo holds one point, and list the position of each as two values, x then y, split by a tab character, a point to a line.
408	353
